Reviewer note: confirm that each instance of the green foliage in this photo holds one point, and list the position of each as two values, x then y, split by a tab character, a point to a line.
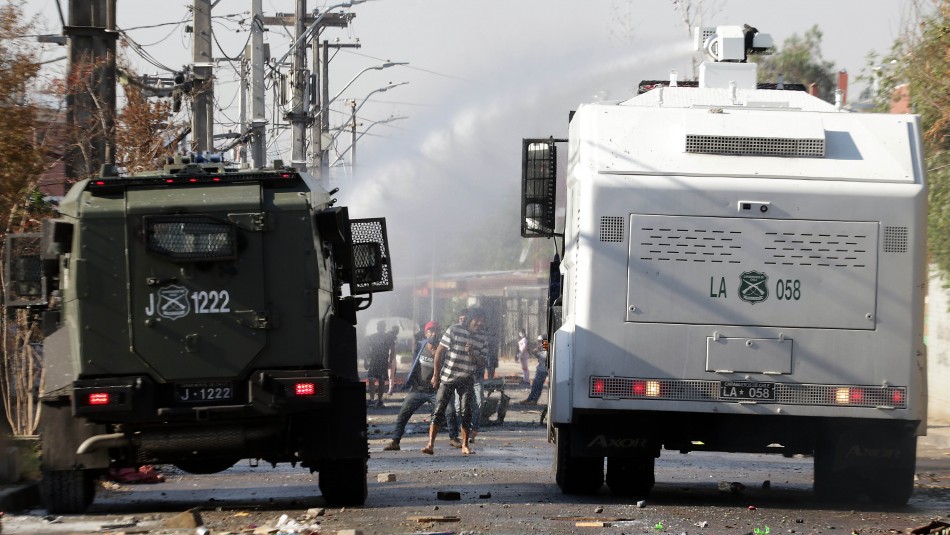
799	61
918	66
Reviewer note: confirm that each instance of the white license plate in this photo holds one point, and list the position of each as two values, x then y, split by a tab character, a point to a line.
747	390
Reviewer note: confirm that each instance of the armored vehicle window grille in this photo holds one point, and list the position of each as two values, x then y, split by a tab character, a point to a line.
895	239
755	146
185	238
689	244
621	388
372	269
830	249
611	229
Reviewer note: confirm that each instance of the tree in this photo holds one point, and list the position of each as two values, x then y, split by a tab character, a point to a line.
799	61
918	66
22	151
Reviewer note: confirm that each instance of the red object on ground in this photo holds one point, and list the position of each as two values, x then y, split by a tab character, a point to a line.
143	474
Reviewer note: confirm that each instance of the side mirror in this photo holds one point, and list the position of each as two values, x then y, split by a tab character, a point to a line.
25	280
538	187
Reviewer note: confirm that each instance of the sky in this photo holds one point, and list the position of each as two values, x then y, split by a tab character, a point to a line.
481	76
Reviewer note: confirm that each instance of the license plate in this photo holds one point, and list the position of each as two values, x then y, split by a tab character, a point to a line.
204	392
747	390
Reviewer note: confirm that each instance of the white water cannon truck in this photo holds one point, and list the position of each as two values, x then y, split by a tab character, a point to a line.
741	269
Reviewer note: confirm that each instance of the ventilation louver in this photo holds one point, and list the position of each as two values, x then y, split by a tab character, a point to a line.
755	146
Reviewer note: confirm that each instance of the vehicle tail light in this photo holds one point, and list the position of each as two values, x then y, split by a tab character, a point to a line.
849	396
305	389
897	396
599	386
638	388
98	398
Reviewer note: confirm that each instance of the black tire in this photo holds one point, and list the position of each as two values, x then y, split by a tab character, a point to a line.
575	475
343	481
67	491
630	476
206	466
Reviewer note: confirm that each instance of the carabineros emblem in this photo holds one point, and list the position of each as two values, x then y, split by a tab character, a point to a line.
753	287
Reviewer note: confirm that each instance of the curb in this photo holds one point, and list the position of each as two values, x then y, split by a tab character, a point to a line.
20	497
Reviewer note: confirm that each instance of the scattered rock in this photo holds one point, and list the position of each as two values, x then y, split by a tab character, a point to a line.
702	524
598	509
316	511
350	532
766	485
189	519
385	477
641	504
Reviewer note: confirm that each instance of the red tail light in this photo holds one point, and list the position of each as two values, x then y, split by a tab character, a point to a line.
305	389
638	388
99	398
599	386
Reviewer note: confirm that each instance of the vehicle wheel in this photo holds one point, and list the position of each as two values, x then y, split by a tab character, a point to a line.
206	466
575	475
343	481
67	491
630	476
878	462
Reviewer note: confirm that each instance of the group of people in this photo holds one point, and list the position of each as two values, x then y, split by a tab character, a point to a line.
445	372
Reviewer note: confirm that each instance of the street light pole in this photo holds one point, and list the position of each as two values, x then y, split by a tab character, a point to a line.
323	114
352	147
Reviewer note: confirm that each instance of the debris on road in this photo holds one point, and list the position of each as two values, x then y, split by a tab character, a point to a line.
386	477
433	518
189	519
448	495
935	527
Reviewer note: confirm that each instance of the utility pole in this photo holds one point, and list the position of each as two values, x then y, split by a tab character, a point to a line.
301	78
91	109
352	105
203	113
258	120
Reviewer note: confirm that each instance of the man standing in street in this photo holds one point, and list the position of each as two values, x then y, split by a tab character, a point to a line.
421	390
540	374
461	349
382	351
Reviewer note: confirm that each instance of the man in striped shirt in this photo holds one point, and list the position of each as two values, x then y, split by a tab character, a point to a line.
462	351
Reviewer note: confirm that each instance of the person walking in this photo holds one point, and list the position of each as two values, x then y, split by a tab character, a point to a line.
540	373
524	353
382	350
462	351
421	390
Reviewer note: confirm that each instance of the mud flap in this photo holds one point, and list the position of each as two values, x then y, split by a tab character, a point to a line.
337	432
877	458
61	434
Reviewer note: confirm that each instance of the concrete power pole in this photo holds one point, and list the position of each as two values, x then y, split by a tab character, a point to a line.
301	79
92	108
258	120
203	112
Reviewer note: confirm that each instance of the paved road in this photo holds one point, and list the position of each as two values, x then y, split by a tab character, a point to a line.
507	487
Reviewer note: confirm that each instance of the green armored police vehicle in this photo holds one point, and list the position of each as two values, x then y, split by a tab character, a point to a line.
199	318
